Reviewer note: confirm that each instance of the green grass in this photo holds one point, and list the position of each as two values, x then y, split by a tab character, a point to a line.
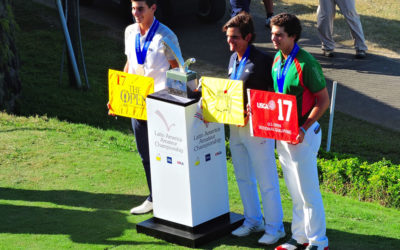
66	185
40	43
354	137
69	173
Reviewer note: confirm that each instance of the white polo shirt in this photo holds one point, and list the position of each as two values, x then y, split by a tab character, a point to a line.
156	62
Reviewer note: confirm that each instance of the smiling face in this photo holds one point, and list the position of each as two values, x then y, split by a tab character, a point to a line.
281	40
235	40
142	13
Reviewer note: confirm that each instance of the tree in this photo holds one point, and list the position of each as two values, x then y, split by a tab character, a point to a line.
10	83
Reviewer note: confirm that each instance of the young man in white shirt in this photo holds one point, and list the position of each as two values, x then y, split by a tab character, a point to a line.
253	158
147	56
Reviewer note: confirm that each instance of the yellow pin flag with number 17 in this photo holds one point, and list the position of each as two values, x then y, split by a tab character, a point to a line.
127	94
222	100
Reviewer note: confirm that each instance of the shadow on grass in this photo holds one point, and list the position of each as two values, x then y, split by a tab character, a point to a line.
337	240
26	129
73	198
93	227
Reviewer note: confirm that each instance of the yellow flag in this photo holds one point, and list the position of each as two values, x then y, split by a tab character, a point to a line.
127	94
222	100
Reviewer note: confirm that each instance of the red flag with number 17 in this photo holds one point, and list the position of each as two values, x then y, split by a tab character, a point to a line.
273	115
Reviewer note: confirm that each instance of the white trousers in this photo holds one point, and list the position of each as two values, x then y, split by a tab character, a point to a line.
299	165
254	161
325	15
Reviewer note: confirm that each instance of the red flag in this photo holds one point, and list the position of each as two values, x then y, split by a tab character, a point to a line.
273	115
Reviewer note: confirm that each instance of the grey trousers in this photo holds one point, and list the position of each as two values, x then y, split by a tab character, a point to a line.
326	14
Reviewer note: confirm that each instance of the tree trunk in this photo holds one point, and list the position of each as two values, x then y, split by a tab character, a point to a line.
10	83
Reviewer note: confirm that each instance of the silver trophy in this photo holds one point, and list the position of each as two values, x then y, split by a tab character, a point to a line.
181	81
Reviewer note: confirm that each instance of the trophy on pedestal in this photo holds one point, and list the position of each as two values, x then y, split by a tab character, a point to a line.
181	81
187	164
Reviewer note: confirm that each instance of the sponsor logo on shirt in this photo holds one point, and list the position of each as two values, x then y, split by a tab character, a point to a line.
169	159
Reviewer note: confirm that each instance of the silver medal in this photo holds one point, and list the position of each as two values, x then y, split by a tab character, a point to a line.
140	70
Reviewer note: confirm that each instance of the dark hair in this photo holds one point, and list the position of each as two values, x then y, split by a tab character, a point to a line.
244	22
148	2
289	22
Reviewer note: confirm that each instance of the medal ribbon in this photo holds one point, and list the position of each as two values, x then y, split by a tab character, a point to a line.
236	74
141	54
288	62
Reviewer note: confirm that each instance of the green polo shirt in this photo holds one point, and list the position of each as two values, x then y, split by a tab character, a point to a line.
303	78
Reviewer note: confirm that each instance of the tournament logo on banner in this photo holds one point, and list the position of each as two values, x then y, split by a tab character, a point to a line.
273	115
127	94
222	100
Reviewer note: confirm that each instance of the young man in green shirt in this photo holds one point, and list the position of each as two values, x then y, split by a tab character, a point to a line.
296	72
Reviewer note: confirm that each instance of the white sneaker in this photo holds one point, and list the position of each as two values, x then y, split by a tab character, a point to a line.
244	230
268	239
147	206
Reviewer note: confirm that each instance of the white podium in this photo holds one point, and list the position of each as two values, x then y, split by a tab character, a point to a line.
188	172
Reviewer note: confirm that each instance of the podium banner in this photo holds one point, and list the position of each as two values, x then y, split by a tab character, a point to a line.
188	163
273	115
127	94
222	100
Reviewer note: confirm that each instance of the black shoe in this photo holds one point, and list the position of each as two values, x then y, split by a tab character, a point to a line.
327	53
360	54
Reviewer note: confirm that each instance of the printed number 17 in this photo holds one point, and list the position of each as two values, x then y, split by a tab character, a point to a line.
287	103
120	78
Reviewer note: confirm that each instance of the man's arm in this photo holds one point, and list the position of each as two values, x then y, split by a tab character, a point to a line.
126	67
317	111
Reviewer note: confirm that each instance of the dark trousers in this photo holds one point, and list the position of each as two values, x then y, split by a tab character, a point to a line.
142	144
239	5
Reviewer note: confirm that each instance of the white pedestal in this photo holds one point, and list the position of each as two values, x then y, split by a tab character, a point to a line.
188	162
